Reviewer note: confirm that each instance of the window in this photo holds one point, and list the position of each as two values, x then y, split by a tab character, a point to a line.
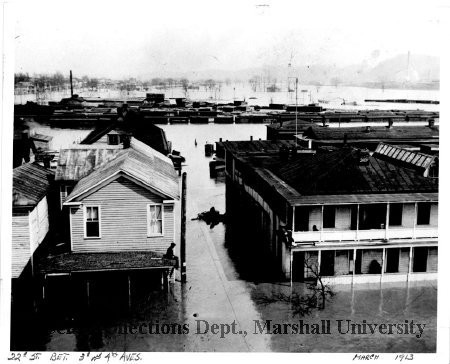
113	139
423	213
92	222
329	217
395	214
155	219
301	218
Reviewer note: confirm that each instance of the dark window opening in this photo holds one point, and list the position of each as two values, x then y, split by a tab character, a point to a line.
354	217
327	263
423	213
329	217
420	256
395	214
392	260
113	139
372	216
301	219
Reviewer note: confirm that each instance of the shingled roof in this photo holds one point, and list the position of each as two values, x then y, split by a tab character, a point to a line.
344	172
31	183
139	162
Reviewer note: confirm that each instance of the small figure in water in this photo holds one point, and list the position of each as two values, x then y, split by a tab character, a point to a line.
195	142
211	217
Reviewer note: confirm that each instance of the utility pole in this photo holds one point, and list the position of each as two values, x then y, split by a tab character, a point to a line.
183	229
71	84
296	103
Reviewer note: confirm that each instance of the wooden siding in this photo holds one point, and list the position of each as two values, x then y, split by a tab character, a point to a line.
432	261
368	256
20	254
123	220
39	224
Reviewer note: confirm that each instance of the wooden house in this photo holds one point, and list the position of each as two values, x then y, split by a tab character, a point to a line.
30	221
121	209
353	216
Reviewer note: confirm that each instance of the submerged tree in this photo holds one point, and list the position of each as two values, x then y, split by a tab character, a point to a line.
304	303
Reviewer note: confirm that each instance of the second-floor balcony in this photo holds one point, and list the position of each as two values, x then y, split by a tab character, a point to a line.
365	222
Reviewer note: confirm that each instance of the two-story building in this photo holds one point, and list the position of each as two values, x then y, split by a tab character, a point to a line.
356	217
120	203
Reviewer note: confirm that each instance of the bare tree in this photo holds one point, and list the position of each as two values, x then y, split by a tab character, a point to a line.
304	303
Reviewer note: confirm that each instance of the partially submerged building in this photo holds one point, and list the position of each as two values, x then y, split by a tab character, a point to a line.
353	216
120	205
30	221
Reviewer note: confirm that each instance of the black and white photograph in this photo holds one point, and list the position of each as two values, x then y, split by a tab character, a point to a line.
222	176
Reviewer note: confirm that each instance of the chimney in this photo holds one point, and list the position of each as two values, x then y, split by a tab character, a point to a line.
251	137
126	141
363	156
390	123
46	160
430	122
368	129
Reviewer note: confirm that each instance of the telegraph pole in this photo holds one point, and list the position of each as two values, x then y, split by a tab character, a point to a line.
183	230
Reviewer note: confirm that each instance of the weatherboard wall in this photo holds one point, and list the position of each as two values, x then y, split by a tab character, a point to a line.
123	220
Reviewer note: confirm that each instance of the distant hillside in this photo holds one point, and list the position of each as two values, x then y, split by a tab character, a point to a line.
422	70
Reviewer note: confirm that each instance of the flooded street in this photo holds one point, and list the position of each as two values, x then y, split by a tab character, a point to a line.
218	290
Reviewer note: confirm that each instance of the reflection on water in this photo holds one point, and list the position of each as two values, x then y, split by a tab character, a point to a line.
223	286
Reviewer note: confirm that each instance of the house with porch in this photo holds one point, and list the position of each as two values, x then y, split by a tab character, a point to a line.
121	211
352	216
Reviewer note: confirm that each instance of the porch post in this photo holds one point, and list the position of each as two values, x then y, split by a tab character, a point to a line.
388	207
357	223
293	218
354	264
291	265
129	290
415	220
319	259
410	261
87	291
321	223
383	262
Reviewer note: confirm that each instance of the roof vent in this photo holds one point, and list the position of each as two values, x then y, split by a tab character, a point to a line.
363	156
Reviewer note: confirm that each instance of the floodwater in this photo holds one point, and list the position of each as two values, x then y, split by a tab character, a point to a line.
340	97
221	289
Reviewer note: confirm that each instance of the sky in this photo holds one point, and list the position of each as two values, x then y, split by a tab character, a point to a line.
147	39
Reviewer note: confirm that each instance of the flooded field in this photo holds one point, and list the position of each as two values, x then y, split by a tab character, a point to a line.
340	97
221	289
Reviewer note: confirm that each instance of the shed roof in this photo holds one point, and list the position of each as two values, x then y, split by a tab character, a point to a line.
140	162
373	132
108	261
31	183
257	146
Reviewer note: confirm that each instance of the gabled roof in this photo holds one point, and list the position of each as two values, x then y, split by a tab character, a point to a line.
80	160
31	183
147	133
140	163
